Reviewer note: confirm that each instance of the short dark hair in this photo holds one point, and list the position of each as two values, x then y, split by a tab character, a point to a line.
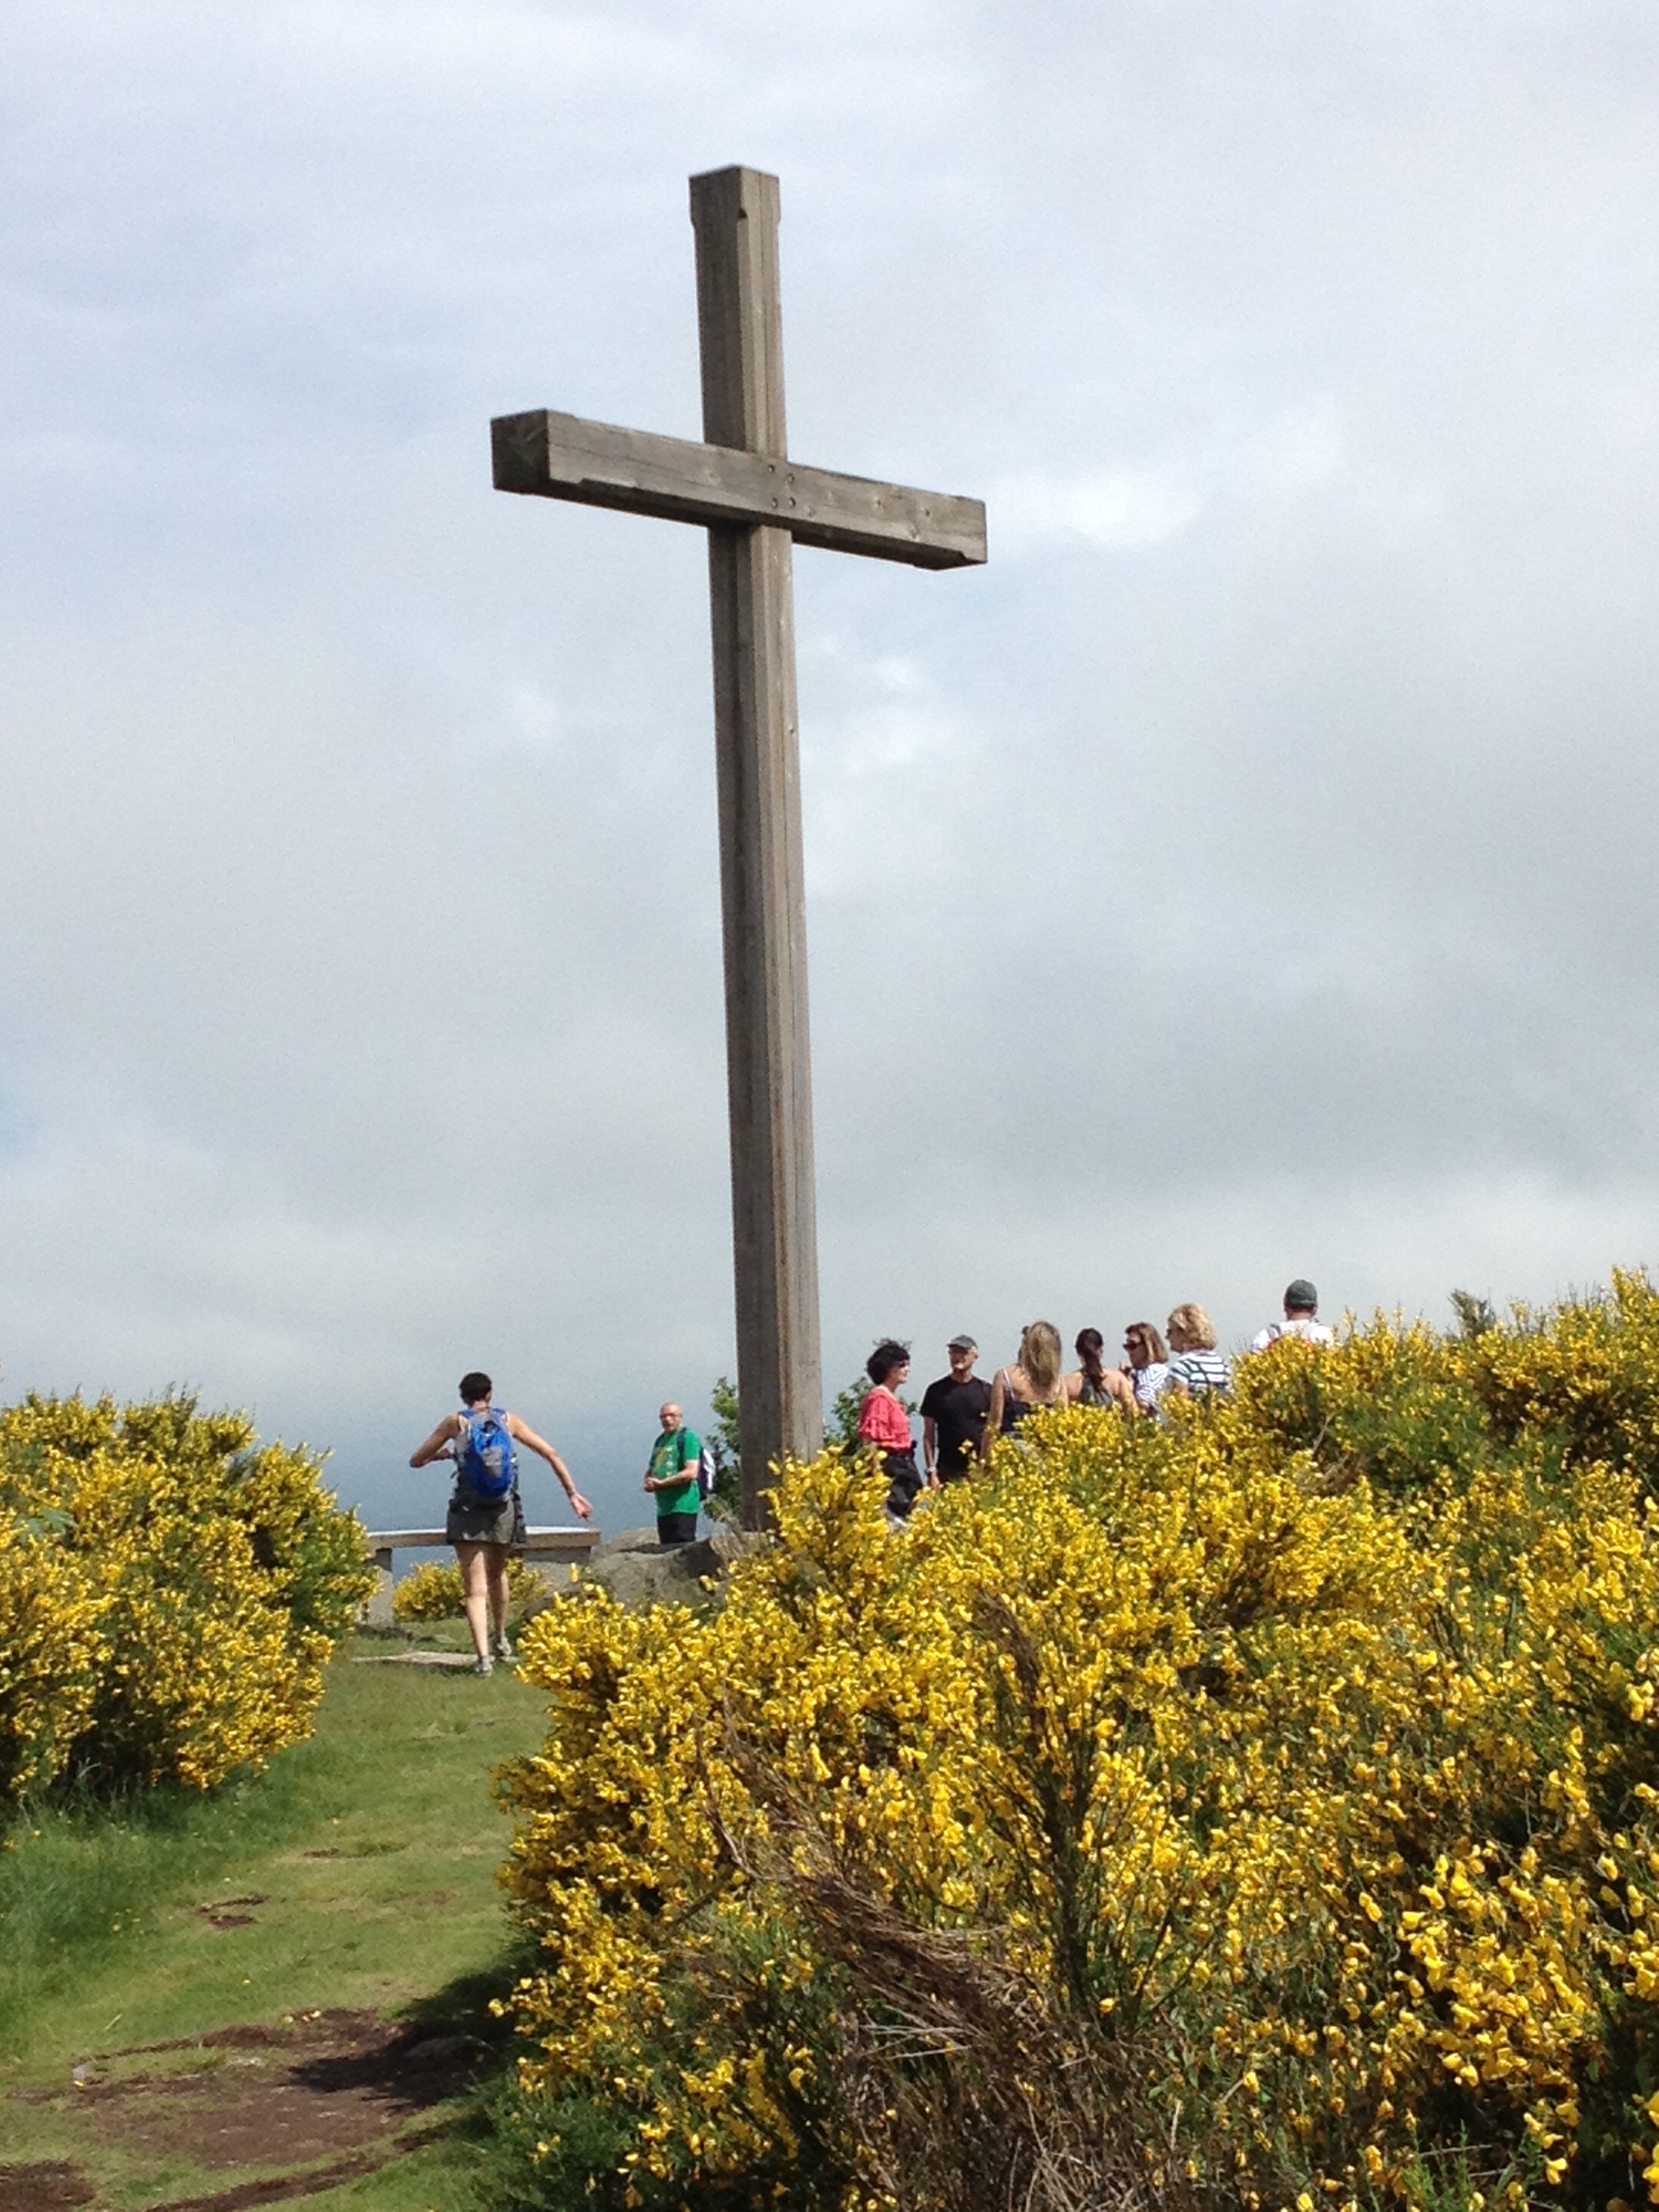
475	1387
888	1354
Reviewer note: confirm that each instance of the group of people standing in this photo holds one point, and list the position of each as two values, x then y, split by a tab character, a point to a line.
961	1412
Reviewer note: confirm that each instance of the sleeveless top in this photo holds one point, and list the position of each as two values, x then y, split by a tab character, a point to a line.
1092	1392
1015	1409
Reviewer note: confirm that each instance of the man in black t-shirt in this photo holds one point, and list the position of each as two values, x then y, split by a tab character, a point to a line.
953	1416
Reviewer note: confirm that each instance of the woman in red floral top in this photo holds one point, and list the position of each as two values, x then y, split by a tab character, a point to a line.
884	1423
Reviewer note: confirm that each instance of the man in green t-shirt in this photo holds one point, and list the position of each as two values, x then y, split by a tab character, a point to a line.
672	1475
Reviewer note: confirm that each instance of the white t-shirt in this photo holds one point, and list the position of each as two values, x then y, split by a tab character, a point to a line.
1310	1332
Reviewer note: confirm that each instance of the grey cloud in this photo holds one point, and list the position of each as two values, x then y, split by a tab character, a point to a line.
1246	874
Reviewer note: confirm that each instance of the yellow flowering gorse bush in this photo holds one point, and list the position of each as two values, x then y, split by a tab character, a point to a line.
168	1592
1256	1808
432	1591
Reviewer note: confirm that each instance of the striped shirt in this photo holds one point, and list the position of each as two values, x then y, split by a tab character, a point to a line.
1201	1372
1148	1383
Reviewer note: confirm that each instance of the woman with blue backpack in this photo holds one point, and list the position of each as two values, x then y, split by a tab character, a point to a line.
485	1518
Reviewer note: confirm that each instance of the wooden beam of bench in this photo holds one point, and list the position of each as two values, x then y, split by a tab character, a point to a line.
562	457
534	1540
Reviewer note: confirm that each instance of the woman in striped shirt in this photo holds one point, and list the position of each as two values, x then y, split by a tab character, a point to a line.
1196	1368
1149	1363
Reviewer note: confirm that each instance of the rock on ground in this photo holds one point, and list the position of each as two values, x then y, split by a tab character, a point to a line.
630	1565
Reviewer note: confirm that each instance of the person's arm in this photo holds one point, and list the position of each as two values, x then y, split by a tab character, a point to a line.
930	1449
444	1434
521	1433
688	1459
993	1417
1122	1391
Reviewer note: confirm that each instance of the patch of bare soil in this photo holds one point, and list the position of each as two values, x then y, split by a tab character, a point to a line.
284	2188
51	2185
336	2085
220	1914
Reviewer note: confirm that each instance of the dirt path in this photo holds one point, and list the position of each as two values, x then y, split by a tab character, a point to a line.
309	2024
329	2097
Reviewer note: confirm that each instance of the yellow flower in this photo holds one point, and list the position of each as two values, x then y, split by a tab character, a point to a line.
1200	1743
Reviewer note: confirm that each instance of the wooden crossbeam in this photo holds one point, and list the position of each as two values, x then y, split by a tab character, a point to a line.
599	465
754	503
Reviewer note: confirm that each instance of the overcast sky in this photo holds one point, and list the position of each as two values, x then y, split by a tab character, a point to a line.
1248	873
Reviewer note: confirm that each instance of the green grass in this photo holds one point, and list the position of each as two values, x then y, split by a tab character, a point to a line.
374	1846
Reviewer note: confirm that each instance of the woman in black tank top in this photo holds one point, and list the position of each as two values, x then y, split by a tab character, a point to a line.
1031	1385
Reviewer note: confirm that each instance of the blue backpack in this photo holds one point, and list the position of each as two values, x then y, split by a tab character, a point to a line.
483	1454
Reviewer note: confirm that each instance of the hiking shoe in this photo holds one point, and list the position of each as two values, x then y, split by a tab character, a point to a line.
483	1666
501	1649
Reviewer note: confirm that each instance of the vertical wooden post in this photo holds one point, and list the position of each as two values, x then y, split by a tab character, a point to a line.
768	1052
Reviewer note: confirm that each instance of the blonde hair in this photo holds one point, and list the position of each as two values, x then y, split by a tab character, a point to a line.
1039	1355
1195	1326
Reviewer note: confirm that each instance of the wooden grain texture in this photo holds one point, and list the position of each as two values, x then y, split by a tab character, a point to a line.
756	504
537	1538
734	214
763	877
599	465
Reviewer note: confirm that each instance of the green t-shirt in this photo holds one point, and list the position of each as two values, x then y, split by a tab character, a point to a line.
674	1449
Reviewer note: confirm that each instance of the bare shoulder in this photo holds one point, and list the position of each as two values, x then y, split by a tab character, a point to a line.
446	1432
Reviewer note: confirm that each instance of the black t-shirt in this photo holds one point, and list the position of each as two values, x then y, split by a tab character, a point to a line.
957	1411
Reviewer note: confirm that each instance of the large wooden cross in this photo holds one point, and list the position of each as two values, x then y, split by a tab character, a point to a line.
755	502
